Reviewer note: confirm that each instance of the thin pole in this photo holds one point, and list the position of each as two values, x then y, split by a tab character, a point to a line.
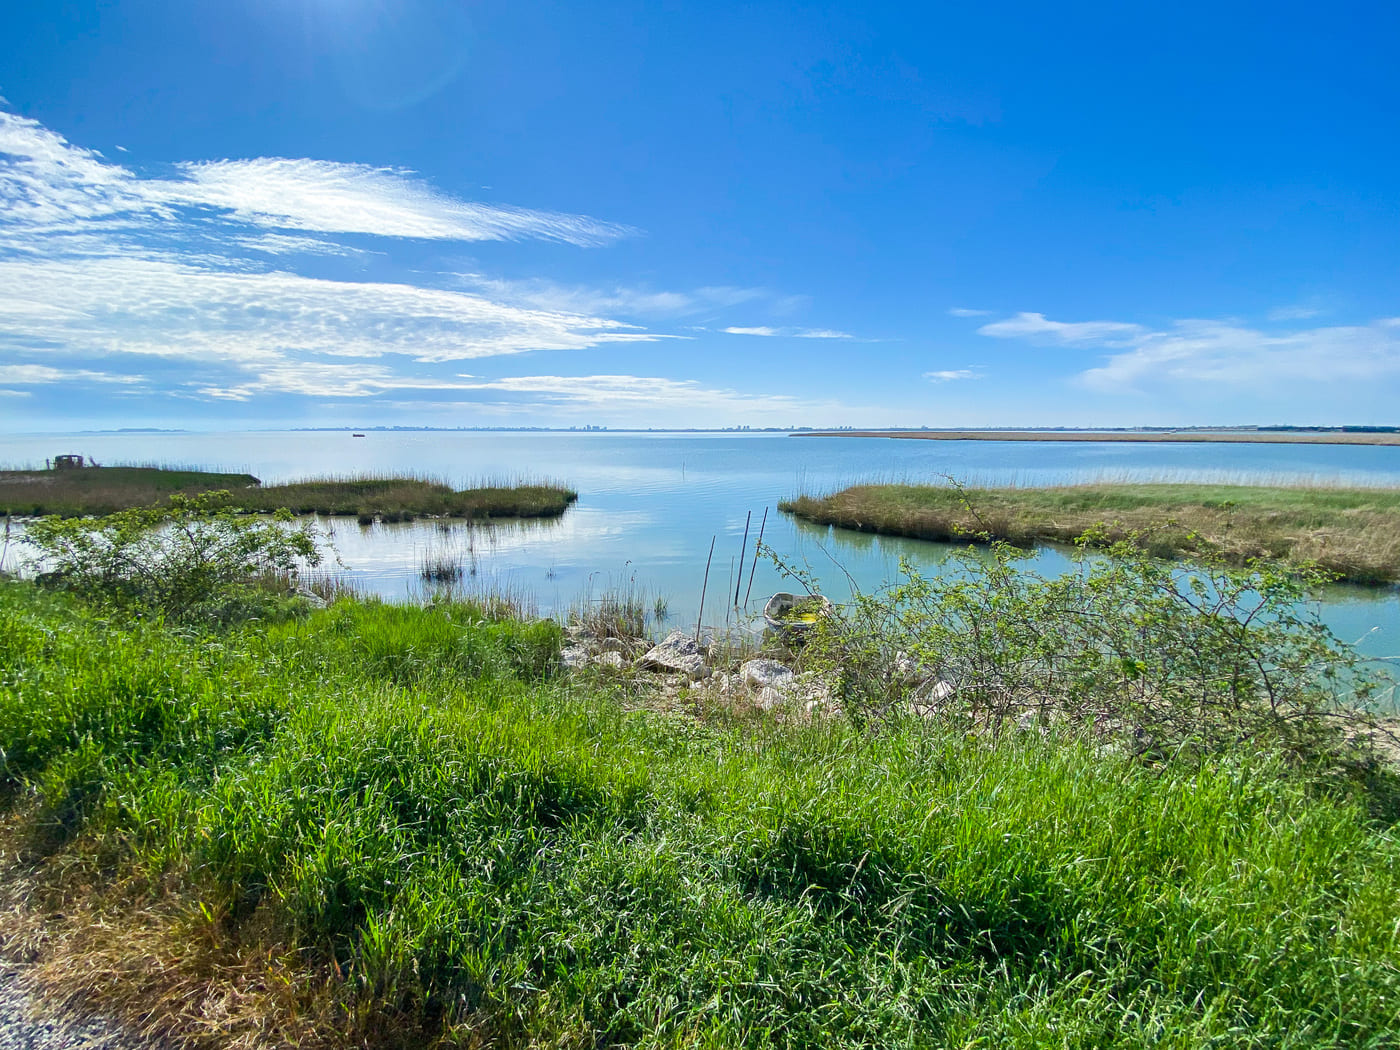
731	578
757	544
742	547
701	616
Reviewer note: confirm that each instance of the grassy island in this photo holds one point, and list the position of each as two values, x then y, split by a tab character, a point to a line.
1354	533
102	490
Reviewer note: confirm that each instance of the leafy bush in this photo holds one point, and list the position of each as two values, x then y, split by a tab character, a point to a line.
192	557
1172	659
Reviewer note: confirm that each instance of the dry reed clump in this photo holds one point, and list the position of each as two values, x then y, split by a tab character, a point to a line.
1351	533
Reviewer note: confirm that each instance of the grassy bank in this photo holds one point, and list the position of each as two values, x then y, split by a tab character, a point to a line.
389	826
1354	533
102	490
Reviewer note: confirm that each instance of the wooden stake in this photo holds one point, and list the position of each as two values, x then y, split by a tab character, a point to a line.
757	544
742	547
701	617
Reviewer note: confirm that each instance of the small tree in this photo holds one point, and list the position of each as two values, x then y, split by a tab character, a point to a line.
172	558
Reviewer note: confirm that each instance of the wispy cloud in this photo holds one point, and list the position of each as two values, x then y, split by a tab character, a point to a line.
193	283
1225	354
963	311
1037	328
100	264
48	183
790	333
612	299
136	306
951	375
1221	354
31	374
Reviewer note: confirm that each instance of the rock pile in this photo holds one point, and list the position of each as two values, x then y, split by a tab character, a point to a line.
678	662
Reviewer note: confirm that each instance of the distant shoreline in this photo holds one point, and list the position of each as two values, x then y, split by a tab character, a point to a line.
1262	437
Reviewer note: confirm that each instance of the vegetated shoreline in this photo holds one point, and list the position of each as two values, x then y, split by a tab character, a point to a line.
386	826
1352	533
103	490
1280	437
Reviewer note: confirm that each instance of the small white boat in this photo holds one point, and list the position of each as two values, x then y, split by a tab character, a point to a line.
794	613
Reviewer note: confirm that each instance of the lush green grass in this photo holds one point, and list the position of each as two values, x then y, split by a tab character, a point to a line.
461	844
102	490
1354	533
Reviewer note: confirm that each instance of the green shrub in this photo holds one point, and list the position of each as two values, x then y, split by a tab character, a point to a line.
1171	659
192	557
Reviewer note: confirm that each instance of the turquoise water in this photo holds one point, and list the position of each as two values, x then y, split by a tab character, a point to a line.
650	504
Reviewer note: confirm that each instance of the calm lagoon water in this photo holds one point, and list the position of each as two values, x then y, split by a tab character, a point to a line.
649	504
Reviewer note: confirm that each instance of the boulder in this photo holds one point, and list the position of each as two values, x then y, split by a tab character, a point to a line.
768	698
574	656
765	674
310	597
611	660
678	652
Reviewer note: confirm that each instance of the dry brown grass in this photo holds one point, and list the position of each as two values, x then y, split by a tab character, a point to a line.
96	940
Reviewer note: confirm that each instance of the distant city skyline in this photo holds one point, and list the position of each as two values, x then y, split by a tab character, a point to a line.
362	214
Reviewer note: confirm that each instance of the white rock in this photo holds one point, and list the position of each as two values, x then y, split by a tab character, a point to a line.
678	652
765	674
934	692
612	660
574	656
769	698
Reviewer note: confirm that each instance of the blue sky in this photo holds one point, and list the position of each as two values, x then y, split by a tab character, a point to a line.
392	212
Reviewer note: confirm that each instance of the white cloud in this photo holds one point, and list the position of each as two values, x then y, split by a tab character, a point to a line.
791	333
29	374
1038	328
1227	355
963	311
152	307
950	375
328	197
325	380
186	285
291	244
1219	354
48	183
615	299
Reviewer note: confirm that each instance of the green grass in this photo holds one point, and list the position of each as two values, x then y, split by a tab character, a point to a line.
459	844
1354	533
102	490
